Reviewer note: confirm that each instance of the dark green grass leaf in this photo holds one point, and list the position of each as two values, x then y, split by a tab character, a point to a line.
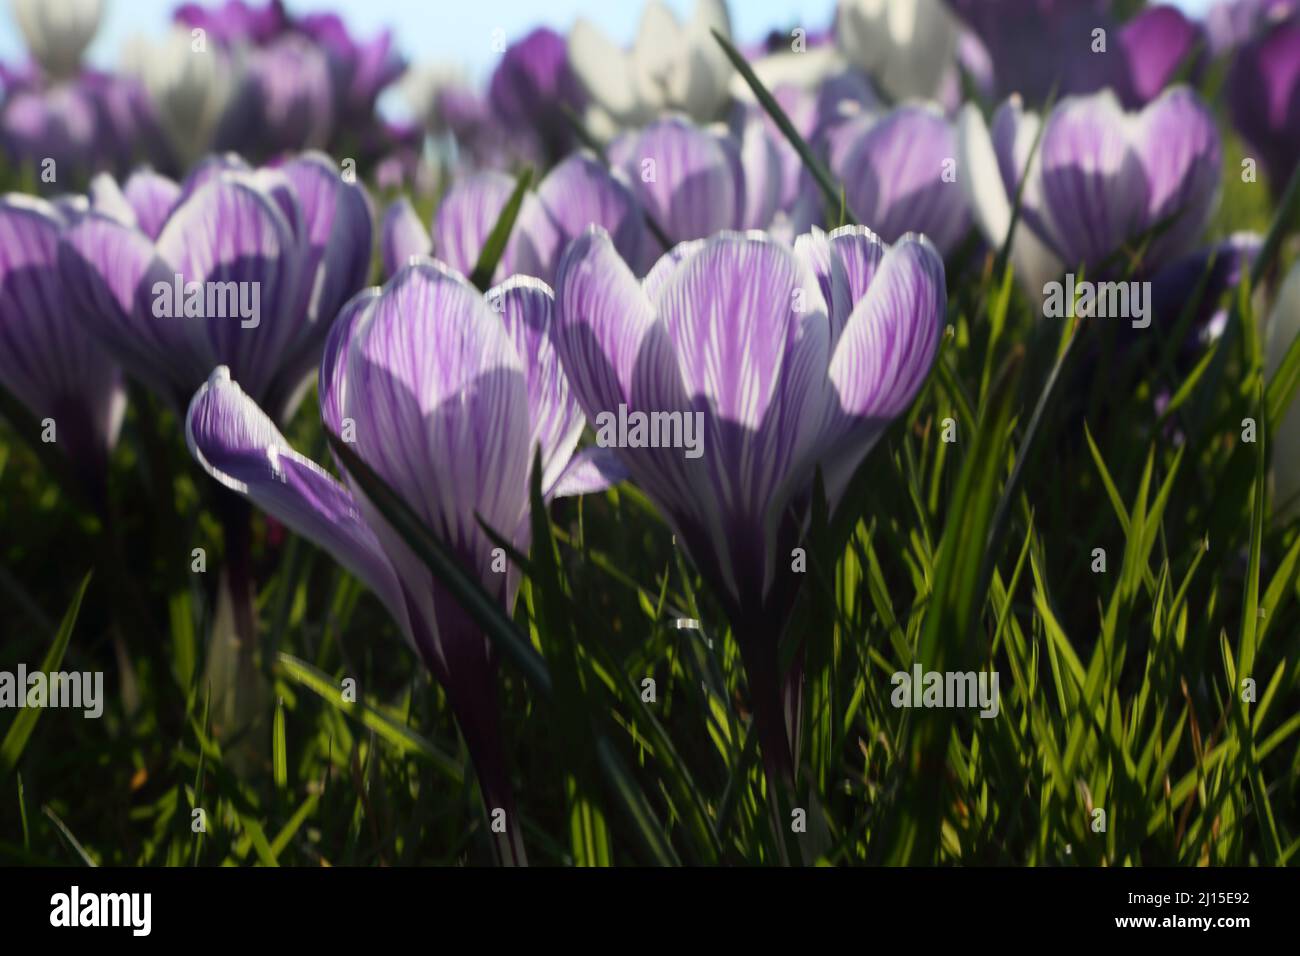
15	740
495	247
832	192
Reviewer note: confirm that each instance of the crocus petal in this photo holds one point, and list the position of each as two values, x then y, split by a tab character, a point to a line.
465	218
46	360
689	179
237	444
900	176
526	306
1094	187
578	193
1179	145
228	232
332	387
590	471
403	235
986	175
152	198
760	158
58	33
1264	96
338	231
112	273
106	197
427	403
604	71
885	353
1155	44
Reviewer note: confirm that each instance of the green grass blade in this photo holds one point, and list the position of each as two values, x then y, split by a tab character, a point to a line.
15	740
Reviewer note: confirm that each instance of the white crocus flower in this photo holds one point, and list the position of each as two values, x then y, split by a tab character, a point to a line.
1283	327
671	67
991	204
422	85
58	31
908	46
190	83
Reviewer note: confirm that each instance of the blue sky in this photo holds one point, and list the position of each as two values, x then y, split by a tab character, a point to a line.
456	30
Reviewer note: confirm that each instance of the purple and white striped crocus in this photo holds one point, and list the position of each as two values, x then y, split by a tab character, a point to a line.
1100	178
290	244
575	194
446	394
47	361
1264	98
788	357
694	181
899	172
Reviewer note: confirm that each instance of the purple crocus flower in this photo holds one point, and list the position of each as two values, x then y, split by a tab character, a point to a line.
1155	45
1101	178
695	181
575	194
1037	46
265	258
780	359
448	395
60	123
46	360
532	87
1264	98
235	21
899	174
361	69
290	97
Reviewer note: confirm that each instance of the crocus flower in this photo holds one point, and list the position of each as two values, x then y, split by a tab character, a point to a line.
575	194
1264	99
290	244
1037	46
908	46
46	360
671	66
235	21
784	358
291	97
532	87
1101	177
360	69
448	398
58	33
191	95
60	124
695	181
1155	45
899	173
1283	327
